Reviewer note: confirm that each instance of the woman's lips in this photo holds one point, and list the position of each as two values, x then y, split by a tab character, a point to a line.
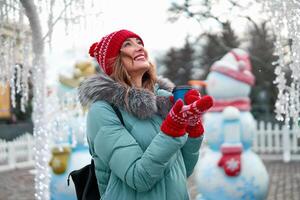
140	57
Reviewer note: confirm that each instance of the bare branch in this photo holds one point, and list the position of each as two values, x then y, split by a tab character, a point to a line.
58	18
177	10
253	23
234	3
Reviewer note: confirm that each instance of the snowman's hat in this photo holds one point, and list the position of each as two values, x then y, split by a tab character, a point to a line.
235	64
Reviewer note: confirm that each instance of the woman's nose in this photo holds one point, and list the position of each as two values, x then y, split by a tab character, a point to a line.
138	47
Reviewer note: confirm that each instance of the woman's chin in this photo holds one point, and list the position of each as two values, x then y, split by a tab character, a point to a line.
142	65
141	62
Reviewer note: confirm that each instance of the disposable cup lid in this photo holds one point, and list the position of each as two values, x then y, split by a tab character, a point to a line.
182	87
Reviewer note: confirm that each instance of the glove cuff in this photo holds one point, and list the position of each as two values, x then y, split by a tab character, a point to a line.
173	130
231	148
194	131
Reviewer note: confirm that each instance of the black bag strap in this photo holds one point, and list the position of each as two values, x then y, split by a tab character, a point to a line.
117	111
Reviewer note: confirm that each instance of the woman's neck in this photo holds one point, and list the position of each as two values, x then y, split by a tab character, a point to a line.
136	81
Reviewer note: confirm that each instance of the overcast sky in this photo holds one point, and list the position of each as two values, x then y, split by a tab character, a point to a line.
148	18
145	17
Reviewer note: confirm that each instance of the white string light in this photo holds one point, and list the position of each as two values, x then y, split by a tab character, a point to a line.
15	42
16	55
41	135
65	116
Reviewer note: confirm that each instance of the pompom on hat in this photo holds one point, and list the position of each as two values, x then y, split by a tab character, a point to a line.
235	64
109	47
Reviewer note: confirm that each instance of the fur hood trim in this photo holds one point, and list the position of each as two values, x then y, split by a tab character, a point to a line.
137	101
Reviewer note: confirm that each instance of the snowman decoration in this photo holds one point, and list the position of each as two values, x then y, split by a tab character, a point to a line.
228	169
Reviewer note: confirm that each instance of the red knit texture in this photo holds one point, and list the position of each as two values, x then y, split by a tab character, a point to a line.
175	123
191	96
198	107
107	49
196	129
92	49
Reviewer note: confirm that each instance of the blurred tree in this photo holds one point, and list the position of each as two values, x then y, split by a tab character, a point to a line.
203	10
261	50
179	63
216	46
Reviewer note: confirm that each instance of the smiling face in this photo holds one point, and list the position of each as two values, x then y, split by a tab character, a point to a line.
134	57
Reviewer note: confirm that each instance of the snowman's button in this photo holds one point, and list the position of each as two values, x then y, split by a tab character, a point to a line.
231	113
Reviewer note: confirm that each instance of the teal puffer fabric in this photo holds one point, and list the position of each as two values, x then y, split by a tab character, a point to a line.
138	161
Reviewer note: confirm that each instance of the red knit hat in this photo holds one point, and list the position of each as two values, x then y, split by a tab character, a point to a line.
235	64
109	47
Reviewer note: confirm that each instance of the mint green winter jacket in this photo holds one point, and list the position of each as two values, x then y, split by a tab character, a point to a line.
136	161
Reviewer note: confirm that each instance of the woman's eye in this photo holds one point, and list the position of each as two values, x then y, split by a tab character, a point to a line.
126	44
140	42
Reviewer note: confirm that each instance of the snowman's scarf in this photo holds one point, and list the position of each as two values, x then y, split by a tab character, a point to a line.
243	104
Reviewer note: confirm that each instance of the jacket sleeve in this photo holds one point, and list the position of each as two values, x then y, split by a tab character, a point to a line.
190	153
116	146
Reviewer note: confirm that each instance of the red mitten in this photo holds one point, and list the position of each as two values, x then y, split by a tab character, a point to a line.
195	128
231	160
191	96
175	123
198	106
171	99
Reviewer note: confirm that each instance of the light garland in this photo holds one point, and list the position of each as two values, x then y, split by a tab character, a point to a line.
15	55
66	119
17	68
285	19
41	135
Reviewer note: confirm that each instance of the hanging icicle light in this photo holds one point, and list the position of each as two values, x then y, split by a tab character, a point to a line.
285	19
20	65
66	123
15	52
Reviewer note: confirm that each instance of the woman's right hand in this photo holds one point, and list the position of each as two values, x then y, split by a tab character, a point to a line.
176	121
198	106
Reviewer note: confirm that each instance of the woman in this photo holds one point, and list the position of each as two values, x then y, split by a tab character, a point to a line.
151	156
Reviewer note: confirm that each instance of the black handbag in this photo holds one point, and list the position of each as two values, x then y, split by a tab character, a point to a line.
85	180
